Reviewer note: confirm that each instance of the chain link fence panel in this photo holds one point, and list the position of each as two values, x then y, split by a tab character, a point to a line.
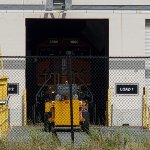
70	98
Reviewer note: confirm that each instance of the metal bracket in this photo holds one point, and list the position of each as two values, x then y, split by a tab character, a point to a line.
49	5
68	4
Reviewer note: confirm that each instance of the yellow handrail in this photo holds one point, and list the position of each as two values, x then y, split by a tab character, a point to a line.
145	110
25	106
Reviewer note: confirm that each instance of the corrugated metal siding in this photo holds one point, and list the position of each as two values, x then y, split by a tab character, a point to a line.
147	38
147	53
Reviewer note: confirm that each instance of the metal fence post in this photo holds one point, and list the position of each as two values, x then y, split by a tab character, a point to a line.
112	115
71	103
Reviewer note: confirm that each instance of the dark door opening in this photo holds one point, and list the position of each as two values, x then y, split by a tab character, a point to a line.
74	37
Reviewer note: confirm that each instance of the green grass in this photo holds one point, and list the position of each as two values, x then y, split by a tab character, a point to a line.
95	141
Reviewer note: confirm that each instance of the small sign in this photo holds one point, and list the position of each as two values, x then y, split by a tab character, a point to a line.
53	41
74	42
126	89
13	88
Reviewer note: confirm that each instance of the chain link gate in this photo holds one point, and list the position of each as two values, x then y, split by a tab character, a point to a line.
63	79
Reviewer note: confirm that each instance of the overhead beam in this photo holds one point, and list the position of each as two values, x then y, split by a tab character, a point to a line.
69	6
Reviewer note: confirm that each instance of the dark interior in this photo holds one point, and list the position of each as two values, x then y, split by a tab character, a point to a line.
73	37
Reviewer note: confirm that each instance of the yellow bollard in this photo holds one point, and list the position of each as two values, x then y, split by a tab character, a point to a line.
3	120
109	109
3	101
3	81
25	106
144	109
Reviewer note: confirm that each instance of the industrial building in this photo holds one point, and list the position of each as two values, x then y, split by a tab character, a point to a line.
106	28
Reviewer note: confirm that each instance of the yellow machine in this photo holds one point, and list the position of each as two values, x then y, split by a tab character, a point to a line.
58	94
3	101
57	111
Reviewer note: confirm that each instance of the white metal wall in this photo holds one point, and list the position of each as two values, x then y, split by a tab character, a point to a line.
127	27
23	2
12	34
111	2
126	109
147	38
16	100
14	70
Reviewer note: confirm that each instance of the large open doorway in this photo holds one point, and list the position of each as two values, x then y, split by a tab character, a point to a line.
74	37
